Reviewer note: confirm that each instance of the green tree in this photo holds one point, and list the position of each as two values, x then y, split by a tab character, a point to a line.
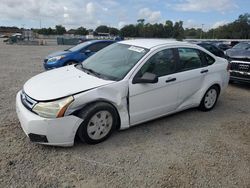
141	21
159	31
140	27
239	29
178	31
46	31
102	29
113	31
60	30
81	31
129	31
169	29
192	33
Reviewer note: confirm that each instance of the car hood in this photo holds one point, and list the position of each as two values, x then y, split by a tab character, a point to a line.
238	53
58	54
60	83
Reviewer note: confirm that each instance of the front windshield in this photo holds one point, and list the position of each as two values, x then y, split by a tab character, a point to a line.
115	61
79	46
242	45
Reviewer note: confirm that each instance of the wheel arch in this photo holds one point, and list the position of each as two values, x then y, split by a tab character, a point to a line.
76	113
207	88
70	60
218	86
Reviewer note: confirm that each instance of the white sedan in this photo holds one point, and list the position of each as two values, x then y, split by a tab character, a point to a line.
124	84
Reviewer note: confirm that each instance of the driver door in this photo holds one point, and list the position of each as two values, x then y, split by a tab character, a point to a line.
151	100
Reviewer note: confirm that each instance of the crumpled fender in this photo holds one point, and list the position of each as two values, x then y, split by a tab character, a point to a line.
115	93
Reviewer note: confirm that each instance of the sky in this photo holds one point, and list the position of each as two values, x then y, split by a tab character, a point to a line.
117	13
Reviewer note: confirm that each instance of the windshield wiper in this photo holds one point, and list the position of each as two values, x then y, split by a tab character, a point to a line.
91	71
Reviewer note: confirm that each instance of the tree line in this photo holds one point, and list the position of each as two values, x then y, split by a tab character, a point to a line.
238	29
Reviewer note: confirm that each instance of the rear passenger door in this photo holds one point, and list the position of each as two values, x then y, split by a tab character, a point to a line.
191	74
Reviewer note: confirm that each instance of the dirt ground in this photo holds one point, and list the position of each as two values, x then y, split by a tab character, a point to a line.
188	149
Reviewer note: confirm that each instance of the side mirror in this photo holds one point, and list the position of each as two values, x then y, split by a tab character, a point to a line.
146	78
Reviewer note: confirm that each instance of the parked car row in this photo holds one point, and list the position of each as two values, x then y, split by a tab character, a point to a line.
239	57
76	54
213	49
122	85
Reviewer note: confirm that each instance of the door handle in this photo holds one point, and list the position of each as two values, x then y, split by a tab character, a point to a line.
170	80
204	71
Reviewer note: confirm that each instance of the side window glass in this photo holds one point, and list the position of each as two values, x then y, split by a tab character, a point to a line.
97	47
160	64
189	58
209	60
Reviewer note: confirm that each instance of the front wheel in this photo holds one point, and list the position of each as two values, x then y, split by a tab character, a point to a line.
71	63
99	122
210	98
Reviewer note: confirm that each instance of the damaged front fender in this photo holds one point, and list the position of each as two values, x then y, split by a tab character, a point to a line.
114	93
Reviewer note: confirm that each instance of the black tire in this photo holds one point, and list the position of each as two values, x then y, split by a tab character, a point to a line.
70	63
203	106
89	112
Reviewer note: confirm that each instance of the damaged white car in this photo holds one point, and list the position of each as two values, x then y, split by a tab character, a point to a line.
124	84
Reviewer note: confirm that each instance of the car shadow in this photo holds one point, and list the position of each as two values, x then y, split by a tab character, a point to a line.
240	85
165	125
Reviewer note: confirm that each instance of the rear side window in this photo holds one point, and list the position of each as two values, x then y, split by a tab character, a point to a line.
160	64
189	59
208	59
98	46
210	48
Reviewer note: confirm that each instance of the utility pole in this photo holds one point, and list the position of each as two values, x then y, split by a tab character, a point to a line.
201	30
40	23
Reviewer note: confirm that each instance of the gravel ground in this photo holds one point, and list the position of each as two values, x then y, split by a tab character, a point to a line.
188	149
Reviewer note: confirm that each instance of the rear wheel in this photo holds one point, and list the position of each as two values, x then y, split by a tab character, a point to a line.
210	98
99	122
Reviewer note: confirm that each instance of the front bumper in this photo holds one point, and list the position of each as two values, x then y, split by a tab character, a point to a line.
52	65
57	131
240	76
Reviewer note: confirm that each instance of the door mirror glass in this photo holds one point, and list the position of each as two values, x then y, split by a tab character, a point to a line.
146	78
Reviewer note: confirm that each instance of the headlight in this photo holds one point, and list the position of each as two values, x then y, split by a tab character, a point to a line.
53	59
53	109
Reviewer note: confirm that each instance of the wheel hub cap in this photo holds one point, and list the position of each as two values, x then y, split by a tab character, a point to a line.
210	98
99	125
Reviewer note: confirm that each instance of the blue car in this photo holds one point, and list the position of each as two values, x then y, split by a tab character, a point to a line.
75	54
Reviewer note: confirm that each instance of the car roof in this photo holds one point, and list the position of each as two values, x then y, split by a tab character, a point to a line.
151	43
245	42
96	41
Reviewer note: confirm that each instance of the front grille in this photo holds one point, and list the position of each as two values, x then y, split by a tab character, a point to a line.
241	59
28	102
238	66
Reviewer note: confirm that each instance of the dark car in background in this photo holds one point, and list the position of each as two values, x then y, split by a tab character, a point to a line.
213	49
76	54
223	46
239	57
